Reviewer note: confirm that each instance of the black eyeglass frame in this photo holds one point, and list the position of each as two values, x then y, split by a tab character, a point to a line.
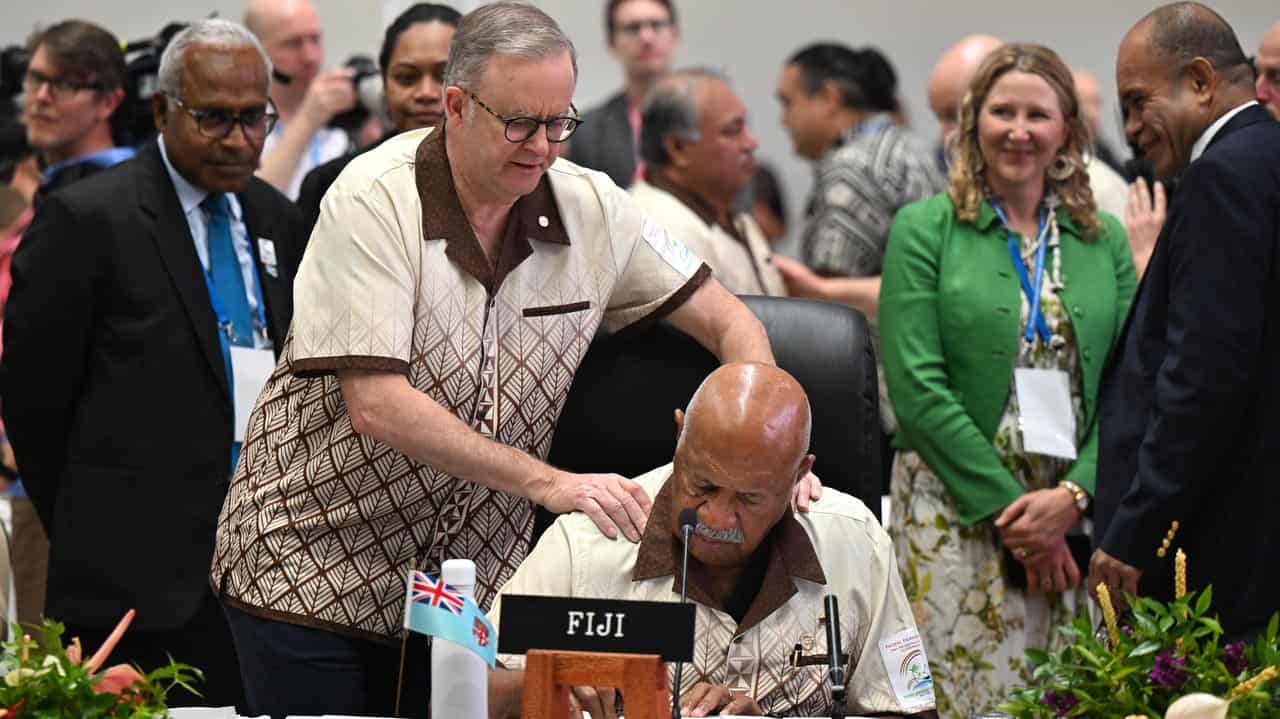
574	121
269	116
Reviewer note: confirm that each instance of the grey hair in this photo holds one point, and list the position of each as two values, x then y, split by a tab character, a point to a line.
503	28
671	108
214	32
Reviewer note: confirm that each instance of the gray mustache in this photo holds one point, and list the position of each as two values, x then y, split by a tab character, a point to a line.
732	535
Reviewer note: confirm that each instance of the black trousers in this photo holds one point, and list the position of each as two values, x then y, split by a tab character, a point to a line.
291	669
204	642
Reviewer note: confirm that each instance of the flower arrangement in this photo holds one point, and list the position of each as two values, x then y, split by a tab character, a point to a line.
1159	660
45	679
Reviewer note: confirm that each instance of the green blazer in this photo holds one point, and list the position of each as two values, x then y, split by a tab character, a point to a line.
950	320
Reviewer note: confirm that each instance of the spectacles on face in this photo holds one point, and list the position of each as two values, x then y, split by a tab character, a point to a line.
59	88
635	28
217	124
520	129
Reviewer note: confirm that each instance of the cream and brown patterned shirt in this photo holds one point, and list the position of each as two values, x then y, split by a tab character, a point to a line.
837	547
321	523
735	247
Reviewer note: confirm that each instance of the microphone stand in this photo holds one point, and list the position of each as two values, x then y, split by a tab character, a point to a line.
688	520
835	660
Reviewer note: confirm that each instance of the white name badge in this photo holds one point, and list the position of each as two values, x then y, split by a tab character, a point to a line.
1045	417
251	368
908	669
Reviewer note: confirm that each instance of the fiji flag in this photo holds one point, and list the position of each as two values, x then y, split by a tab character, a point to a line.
436	609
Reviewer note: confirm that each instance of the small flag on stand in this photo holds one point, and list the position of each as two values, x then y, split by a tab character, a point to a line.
436	609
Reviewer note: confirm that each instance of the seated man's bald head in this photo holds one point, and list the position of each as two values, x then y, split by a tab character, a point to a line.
743	444
753	407
951	76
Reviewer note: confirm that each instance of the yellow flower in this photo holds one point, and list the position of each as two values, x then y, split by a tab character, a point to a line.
1247	686
1109	613
1180	574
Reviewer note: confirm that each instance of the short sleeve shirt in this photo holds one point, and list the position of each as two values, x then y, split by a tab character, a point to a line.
320	522
837	547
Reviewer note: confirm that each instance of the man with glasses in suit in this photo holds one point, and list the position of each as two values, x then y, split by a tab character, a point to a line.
148	304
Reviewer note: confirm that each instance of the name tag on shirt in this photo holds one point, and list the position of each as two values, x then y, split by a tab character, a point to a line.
250	367
1045	416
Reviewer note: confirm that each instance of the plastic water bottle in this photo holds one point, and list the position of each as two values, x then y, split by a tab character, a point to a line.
459	678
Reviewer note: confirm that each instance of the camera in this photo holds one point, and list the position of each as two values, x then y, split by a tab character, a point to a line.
367	79
133	122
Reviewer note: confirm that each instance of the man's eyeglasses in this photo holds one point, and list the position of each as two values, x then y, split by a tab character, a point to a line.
60	88
217	124
520	129
634	28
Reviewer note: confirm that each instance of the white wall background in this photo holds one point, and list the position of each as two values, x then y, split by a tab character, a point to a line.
749	40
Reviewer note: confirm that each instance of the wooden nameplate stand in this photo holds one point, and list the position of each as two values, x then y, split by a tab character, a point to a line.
548	675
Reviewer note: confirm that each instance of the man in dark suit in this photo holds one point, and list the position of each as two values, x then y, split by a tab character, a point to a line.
144	299
643	35
1190	406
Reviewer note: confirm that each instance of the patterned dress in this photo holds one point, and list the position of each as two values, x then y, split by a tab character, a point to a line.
976	628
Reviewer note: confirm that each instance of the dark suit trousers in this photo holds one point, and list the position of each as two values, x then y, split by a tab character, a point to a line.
291	669
204	642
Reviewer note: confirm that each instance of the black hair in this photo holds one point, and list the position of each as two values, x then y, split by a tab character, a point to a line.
421	12
1186	30
864	77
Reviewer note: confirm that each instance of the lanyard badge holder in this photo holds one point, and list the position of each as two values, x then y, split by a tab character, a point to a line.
1046	418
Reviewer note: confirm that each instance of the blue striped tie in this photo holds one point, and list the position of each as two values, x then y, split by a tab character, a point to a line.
228	283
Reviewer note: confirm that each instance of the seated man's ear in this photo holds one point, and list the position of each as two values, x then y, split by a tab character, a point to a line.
679	422
806	466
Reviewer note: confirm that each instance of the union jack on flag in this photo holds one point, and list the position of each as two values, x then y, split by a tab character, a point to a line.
426	590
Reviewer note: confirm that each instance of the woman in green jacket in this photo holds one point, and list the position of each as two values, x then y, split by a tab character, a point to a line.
1000	302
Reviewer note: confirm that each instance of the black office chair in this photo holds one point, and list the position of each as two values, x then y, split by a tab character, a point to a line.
618	416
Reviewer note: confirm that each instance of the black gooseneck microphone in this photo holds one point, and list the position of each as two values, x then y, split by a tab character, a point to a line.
688	520
835	659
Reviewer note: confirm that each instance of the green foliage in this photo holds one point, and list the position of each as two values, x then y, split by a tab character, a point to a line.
48	684
1165	651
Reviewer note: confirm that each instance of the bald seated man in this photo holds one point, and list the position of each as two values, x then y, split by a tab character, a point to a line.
948	84
758	574
291	33
1267	86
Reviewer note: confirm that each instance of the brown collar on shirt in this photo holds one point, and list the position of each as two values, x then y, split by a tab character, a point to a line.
791	555
534	217
658	178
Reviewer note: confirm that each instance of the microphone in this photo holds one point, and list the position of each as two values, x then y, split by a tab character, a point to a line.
687	520
835	659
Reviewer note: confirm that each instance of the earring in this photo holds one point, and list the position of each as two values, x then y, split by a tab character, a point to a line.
1063	167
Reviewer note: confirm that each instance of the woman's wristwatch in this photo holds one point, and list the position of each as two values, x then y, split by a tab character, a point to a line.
1078	494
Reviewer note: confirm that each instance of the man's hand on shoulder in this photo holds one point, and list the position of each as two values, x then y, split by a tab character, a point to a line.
612	501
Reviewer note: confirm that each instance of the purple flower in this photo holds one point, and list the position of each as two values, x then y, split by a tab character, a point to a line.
1128	630
1167	670
1233	657
1060	703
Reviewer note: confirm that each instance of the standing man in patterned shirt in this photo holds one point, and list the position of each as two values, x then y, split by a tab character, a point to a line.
452	284
837	104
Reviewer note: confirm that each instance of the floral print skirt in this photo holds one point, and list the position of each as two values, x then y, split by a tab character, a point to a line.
976	629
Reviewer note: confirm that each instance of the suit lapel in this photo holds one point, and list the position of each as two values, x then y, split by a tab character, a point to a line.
275	293
169	230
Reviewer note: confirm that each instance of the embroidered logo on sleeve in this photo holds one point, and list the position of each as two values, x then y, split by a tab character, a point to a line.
672	251
908	669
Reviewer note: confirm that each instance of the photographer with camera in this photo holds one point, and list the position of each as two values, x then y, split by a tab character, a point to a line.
72	87
308	101
411	61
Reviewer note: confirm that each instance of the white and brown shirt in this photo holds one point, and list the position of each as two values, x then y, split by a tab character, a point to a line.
734	247
837	547
321	523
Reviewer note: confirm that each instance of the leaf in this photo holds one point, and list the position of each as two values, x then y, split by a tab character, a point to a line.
1037	656
1273	627
1145	648
1165	624
1206	598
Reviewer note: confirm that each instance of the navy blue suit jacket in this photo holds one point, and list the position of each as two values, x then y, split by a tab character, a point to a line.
1190	405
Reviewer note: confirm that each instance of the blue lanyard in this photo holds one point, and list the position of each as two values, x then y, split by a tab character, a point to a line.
224	322
1036	323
